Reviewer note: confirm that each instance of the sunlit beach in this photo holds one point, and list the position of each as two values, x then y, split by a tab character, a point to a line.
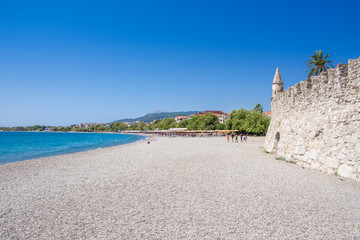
175	188
179	120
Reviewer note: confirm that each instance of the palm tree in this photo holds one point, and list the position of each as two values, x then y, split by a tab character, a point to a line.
258	107
317	63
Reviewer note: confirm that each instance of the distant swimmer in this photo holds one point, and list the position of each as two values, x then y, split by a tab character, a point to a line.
116	141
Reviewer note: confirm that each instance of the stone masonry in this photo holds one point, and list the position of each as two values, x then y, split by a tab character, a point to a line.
317	122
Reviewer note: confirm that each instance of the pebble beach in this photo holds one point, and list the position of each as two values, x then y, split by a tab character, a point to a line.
175	188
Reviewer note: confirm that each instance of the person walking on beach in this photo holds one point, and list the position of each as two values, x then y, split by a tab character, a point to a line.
228	137
232	137
245	138
236	138
241	137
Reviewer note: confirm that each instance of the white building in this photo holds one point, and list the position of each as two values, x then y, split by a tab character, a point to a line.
223	117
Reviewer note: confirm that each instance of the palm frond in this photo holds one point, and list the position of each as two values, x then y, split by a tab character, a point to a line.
317	63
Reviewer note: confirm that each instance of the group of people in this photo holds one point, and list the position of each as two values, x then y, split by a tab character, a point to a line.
243	137
185	134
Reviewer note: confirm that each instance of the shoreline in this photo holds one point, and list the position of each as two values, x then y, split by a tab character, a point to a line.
76	154
73	152
174	188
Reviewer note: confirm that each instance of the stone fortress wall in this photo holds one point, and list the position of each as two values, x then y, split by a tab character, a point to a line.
317	122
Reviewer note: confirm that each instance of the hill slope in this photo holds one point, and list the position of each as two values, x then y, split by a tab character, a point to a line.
148	118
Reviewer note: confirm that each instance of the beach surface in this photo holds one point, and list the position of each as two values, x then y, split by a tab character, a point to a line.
175	188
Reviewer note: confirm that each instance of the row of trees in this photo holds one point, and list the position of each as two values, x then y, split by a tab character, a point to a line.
249	121
28	128
95	128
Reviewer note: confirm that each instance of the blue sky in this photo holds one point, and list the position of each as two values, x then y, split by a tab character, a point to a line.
65	62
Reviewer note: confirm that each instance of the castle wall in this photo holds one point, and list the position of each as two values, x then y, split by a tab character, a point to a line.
317	122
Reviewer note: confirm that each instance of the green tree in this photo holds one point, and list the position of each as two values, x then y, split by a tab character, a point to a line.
256	122
248	121
318	63
258	107
167	123
209	121
143	126
62	129
99	128
118	126
221	126
134	126
194	123
155	124
183	124
237	119
19	129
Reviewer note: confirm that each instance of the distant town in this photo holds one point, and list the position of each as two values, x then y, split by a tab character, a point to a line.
251	121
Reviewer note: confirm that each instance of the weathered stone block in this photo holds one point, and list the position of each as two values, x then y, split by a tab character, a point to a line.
332	162
313	154
315	165
344	151
345	170
299	150
300	141
355	167
340	155
322	158
357	148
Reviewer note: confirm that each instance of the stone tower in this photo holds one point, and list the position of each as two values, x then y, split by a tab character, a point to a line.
277	85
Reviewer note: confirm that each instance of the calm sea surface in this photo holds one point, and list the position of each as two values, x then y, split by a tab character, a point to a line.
19	146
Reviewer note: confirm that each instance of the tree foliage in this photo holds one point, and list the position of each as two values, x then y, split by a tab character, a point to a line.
118	126
318	63
258	107
209	121
97	128
249	121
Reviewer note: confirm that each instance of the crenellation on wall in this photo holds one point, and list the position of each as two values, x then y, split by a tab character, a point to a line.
342	69
302	86
308	83
317	122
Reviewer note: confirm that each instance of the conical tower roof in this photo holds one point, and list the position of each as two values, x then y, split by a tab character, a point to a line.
277	77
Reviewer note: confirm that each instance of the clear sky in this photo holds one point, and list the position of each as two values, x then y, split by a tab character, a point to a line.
66	62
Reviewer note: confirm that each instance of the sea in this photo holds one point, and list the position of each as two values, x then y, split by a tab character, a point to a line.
20	146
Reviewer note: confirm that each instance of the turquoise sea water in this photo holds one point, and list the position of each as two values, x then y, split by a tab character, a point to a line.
19	146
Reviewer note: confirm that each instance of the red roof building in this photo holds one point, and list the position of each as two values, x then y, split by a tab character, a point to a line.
267	114
214	112
181	118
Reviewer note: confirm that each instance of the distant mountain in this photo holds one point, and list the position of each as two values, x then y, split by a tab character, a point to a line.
148	118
